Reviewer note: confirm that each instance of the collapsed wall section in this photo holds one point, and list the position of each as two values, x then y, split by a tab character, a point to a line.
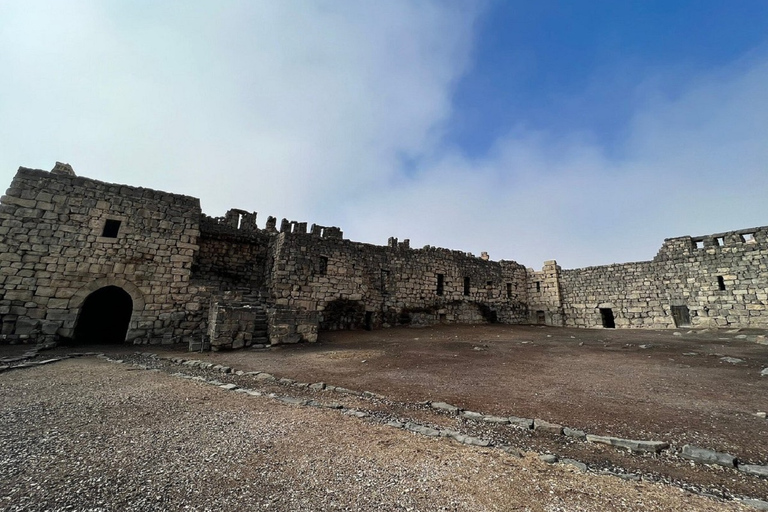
64	237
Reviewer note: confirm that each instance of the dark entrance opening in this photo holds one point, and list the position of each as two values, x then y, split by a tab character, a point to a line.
607	315
104	317
368	320
541	317
681	316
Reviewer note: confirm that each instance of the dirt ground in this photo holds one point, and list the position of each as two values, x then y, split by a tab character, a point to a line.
626	383
86	434
652	385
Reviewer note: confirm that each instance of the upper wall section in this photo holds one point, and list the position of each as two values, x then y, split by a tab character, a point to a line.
732	241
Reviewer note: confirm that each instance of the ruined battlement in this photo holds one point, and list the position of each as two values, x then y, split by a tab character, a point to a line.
740	240
243	223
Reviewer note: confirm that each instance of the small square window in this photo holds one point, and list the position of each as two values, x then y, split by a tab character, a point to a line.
748	237
698	244
720	283
111	228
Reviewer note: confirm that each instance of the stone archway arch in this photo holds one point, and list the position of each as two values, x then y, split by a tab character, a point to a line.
76	301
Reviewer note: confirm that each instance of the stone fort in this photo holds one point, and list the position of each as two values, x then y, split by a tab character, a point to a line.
85	261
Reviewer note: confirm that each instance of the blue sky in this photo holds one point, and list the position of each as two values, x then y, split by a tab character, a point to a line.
566	66
585	132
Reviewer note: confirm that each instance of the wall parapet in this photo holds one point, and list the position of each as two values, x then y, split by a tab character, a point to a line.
687	246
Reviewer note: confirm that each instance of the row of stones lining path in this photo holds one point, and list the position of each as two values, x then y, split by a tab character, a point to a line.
358	404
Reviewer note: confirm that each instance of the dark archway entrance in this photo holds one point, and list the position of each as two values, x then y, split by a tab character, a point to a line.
104	316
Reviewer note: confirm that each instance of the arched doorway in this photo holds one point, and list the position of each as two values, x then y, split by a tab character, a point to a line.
104	316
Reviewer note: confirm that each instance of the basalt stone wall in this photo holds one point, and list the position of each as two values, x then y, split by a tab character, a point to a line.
356	285
718	280
545	302
63	237
231	257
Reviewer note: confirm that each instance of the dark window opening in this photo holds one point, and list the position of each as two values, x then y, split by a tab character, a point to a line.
104	317
606	315
489	288
322	265
384	280
440	283
509	290
720	283
111	228
538	286
466	286
681	316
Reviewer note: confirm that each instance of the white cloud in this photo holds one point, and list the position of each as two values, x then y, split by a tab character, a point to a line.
694	164
309	109
275	106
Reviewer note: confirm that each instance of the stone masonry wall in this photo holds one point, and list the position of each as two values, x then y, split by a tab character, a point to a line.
231	257
545	301
720	279
189	276
355	285
55	249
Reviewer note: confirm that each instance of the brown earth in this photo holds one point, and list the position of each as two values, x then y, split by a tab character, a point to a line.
651	385
85	434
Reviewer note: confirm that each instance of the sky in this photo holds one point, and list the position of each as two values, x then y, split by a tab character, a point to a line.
581	131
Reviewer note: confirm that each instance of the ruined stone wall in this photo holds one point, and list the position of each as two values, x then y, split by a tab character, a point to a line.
63	237
720	280
544	295
355	285
231	257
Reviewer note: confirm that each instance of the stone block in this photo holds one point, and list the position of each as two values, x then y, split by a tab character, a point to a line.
705	456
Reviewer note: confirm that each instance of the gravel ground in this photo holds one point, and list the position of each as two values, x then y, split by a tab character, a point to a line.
86	434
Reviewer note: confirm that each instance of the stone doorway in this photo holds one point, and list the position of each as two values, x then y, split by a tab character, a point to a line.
104	316
606	315
681	316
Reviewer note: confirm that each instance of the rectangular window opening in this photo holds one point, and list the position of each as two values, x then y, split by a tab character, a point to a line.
719	241
466	286
538	286
489	288
720	283
322	265
748	237
440	283
509	290
111	228
698	244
